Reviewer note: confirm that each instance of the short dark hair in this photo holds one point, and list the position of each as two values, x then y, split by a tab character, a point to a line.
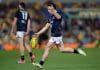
50	3
22	4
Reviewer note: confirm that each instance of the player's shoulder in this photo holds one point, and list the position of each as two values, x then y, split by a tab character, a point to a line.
17	12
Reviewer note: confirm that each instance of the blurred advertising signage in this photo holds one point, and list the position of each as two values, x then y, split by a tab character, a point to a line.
89	14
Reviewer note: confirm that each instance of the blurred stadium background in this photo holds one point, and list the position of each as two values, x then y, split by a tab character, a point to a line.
82	22
81	29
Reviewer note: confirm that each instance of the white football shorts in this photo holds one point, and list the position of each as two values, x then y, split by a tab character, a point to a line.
56	40
20	34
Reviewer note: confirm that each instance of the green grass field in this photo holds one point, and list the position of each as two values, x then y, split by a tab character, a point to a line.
55	61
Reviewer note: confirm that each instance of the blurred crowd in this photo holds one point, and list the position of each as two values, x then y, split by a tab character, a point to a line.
76	30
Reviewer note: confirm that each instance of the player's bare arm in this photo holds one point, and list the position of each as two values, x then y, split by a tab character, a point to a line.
28	26
57	15
13	24
43	29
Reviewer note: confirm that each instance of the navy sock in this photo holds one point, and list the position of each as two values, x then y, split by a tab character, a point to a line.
22	57
75	51
41	62
30	53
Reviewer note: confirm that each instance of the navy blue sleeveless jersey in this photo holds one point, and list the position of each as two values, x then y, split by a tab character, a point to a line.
22	20
56	27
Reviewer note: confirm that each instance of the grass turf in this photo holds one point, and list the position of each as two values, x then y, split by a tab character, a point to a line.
55	61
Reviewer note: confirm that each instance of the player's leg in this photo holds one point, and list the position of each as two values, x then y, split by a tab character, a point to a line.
45	55
29	50
61	47
46	51
20	39
21	48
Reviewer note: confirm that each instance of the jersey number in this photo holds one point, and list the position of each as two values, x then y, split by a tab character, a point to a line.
24	14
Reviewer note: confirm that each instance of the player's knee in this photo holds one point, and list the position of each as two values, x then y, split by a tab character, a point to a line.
22	49
47	49
62	51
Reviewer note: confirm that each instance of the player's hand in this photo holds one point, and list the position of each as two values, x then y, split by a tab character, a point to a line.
26	33
53	11
13	32
37	34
